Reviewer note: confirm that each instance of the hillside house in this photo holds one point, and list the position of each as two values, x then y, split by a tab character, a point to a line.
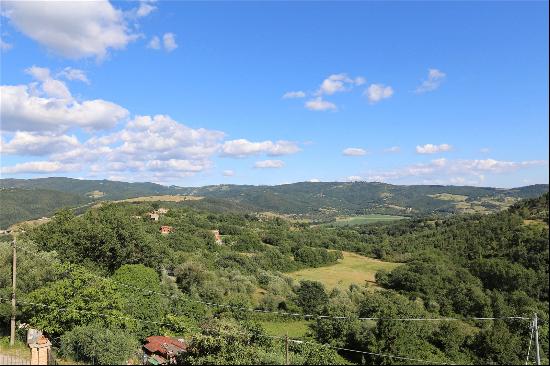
165	229
217	237
162	211
153	216
161	350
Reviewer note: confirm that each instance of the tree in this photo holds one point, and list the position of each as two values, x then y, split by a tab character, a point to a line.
78	298
311	296
96	344
145	304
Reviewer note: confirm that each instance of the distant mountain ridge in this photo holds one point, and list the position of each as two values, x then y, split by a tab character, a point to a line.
308	199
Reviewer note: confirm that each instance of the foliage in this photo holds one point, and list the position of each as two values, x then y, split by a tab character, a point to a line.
99	345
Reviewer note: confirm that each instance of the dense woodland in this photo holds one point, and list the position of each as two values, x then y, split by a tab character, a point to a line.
459	266
24	199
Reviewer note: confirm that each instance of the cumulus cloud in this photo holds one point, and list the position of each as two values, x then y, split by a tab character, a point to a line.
434	80
228	173
47	105
432	149
452	171
169	42
314	180
269	164
377	92
338	83
29	143
294	94
318	104
354	151
37	167
73	29
241	148
69	73
154	43
393	149
145	8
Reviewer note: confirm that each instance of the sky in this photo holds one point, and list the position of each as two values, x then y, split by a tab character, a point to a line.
200	93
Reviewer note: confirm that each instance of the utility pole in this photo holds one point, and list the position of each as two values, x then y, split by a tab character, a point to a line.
286	349
14	283
537	348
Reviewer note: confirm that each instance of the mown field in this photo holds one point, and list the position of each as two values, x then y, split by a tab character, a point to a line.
353	268
365	219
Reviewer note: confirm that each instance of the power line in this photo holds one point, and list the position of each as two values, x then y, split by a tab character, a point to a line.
296	341
300	315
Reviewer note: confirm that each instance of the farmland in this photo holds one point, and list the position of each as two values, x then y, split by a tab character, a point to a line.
353	269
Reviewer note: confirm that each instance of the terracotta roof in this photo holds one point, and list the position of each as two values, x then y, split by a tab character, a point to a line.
164	345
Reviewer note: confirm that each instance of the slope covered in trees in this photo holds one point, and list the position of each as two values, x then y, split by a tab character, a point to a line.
321	201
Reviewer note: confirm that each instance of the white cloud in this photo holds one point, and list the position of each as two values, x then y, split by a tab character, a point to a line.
393	149
37	167
452	171
29	143
5	46
228	173
432	149
73	74
354	151
50	87
241	148
434	80
354	178
485	150
154	43
294	94
338	83
319	104
73	29
269	164
145	8
377	92
51	107
314	180
169	42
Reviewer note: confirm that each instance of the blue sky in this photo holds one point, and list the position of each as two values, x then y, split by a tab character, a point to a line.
193	93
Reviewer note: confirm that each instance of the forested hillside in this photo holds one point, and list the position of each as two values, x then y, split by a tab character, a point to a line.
321	201
24	204
113	261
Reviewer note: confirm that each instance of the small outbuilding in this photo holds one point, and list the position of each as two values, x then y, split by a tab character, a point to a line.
161	350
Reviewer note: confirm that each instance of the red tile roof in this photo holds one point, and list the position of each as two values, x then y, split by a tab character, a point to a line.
164	345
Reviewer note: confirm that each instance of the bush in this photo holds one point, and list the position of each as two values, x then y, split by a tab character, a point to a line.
94	343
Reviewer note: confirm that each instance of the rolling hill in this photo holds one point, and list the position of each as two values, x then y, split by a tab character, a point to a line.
320	201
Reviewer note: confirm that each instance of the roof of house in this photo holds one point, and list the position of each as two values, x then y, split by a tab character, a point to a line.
164	345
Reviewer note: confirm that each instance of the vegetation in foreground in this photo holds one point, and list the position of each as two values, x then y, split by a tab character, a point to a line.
462	266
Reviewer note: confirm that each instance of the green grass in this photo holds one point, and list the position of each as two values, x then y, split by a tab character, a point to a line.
353	268
295	328
18	351
365	219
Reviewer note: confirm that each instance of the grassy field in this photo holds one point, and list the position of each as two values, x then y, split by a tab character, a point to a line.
295	328
353	268
165	198
365	219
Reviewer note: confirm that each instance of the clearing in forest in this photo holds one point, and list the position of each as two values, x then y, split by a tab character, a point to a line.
165	198
354	268
365	219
